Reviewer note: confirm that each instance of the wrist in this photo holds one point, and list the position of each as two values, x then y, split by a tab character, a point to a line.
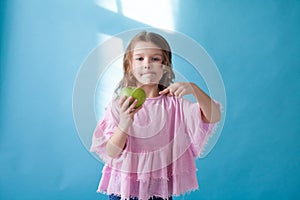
123	128
194	88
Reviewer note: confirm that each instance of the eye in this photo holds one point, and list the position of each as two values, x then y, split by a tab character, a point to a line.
156	59
139	58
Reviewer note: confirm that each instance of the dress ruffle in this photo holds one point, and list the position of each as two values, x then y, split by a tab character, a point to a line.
165	182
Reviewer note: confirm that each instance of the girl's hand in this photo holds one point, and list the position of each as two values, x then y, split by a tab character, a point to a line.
127	111
178	89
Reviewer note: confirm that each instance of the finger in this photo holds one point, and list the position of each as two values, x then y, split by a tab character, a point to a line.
122	100
126	103
178	92
165	91
131	107
181	94
136	110
171	93
171	90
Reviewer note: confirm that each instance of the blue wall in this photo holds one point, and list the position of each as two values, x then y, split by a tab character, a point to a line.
255	46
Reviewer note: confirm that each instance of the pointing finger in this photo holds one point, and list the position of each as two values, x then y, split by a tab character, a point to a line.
165	91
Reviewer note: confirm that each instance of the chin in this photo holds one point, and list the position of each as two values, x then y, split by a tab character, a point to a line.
148	84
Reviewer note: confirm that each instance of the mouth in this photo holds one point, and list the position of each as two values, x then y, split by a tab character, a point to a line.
148	73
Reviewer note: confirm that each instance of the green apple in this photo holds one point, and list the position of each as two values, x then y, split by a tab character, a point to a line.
136	93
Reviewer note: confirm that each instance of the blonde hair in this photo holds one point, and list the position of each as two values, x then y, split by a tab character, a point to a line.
128	79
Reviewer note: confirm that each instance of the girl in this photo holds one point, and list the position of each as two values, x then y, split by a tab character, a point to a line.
149	151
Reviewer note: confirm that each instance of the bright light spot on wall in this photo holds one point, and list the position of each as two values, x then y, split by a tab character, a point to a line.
157	13
107	84
110	63
108	4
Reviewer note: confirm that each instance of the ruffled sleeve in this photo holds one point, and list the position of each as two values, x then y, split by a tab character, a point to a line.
103	131
198	130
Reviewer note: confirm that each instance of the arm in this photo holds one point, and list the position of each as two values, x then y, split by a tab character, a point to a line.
209	110
117	141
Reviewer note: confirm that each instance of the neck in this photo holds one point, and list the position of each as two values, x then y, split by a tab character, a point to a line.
151	90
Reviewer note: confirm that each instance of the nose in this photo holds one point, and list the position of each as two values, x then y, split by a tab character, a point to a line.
147	64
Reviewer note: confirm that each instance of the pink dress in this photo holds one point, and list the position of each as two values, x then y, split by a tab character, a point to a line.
158	159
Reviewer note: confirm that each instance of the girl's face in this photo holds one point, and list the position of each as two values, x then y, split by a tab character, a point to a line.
147	63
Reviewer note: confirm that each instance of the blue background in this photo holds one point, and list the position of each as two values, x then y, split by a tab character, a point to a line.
255	45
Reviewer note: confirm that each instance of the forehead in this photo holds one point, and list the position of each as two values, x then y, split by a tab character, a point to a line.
142	47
